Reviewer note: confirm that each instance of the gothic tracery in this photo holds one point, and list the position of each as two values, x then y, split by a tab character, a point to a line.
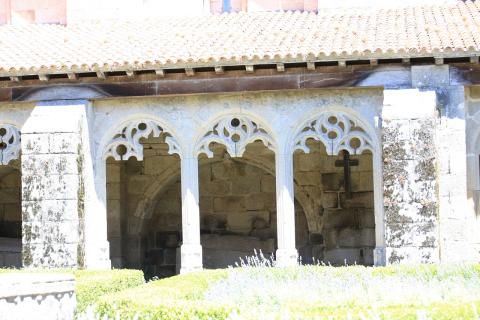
9	143
126	143
337	132
235	133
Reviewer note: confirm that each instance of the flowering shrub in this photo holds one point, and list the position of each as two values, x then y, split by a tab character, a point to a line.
256	290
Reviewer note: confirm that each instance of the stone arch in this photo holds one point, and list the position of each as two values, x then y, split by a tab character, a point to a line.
338	129
347	131
235	131
128	134
9	143
166	178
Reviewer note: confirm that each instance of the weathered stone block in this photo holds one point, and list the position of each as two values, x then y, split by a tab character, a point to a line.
9	195
157	164
267	183
113	172
311	178
357	200
307	162
330	199
229	204
255	201
218	187
412	255
42	164
206	205
242	221
343	256
55	187
250	184
49	210
35	143
64	143
331	181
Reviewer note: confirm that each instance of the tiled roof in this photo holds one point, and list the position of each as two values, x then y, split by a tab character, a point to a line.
442	30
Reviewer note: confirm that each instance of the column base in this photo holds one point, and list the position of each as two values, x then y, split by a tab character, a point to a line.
191	258
286	258
97	256
379	257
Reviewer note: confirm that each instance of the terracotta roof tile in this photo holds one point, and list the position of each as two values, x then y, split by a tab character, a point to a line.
442	30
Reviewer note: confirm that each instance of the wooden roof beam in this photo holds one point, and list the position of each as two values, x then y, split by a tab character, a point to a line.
101	75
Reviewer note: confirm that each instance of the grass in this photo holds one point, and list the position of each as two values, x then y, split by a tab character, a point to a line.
305	292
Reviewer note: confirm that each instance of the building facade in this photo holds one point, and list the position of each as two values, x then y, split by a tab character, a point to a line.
348	136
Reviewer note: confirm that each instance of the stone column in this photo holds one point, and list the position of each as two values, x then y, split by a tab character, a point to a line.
191	250
457	221
286	253
61	220
410	176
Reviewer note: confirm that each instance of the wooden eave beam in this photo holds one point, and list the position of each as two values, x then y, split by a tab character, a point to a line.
101	75
72	76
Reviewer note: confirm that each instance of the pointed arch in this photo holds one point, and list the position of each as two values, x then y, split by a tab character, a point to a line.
127	136
337	130
235	132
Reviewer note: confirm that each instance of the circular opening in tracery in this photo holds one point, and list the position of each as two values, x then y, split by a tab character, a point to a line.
332	120
236	138
3	146
121	150
3	131
332	135
235	122
355	143
142	126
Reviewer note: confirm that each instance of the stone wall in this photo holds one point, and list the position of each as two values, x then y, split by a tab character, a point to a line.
37	296
52	190
410	176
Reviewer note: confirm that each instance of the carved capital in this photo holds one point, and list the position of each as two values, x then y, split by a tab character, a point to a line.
9	143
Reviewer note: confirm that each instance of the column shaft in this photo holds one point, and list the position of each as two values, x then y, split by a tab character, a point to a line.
191	250
286	252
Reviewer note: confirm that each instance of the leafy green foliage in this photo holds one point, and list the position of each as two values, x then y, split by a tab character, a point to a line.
305	292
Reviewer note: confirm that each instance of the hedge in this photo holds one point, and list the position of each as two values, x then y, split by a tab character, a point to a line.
304	292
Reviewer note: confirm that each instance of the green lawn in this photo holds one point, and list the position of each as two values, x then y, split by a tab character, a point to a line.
306	292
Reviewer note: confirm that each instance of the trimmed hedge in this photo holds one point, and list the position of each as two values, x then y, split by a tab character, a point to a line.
90	285
353	292
179	297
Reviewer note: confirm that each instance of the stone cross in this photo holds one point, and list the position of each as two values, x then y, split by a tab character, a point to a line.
346	163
